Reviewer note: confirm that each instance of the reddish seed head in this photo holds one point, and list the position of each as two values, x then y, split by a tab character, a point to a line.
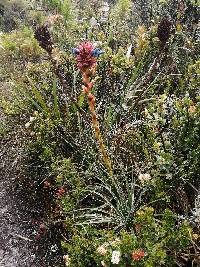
37	237
42	227
164	29
60	192
137	254
46	184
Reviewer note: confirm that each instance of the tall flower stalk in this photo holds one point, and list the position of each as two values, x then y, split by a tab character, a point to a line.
86	56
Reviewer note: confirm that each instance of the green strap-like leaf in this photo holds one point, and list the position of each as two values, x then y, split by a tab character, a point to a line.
39	98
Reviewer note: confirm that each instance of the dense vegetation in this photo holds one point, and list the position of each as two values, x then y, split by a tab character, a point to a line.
112	149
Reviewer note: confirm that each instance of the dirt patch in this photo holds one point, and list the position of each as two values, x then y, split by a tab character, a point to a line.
20	214
16	246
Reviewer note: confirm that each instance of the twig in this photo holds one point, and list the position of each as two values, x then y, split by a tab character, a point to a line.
22	237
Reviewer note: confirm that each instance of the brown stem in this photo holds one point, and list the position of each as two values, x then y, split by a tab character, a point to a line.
95	123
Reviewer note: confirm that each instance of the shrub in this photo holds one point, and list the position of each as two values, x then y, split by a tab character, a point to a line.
152	241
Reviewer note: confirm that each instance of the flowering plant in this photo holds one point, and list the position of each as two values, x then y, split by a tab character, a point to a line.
143	148
86	55
146	245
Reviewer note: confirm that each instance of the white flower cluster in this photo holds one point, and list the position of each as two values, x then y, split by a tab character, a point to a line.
116	254
101	250
67	260
115	257
144	177
31	119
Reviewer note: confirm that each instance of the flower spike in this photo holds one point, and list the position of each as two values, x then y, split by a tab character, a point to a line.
86	57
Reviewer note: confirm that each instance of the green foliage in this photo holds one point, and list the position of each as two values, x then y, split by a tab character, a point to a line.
3	128
83	245
152	241
20	44
147	103
63	7
118	201
121	9
69	178
11	13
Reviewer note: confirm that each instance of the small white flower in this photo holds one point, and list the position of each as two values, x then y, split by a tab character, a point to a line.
115	257
169	176
93	22
101	250
144	177
103	264
54	248
32	119
35	113
67	260
128	54
27	125
116	242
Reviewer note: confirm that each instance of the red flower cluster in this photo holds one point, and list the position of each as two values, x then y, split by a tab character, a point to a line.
60	192
138	254
85	58
46	184
41	232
